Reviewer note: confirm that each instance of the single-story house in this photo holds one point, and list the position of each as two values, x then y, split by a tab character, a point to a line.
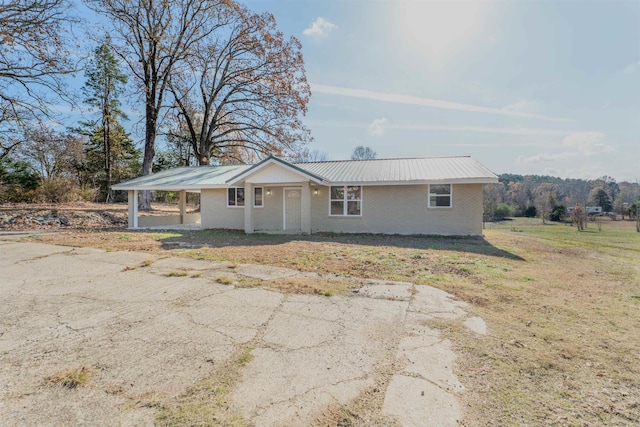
391	196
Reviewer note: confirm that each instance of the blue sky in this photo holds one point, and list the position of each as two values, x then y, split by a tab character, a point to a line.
528	87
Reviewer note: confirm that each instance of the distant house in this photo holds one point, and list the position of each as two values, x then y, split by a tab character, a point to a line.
391	196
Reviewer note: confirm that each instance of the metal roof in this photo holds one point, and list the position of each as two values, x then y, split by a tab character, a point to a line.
372	172
184	178
271	160
426	169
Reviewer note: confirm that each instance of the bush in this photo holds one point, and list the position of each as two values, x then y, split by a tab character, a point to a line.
17	181
502	211
531	212
57	190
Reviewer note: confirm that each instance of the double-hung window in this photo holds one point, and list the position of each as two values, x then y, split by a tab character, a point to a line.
440	195
346	200
235	197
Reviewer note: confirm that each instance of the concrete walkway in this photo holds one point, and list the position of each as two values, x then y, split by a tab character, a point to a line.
147	337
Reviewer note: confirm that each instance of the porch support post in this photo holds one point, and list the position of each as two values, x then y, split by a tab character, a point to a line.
248	207
183	203
305	217
132	202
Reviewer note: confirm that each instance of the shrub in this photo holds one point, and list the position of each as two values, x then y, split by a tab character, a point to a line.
531	212
57	190
502	211
17	181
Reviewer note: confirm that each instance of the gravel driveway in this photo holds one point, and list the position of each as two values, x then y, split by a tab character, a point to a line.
146	335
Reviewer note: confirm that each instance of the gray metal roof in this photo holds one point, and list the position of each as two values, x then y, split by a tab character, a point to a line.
426	169
372	172
184	178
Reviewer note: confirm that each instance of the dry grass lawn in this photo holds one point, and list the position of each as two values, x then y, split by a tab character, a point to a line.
563	307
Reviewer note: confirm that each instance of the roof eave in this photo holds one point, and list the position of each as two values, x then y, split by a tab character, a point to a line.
480	180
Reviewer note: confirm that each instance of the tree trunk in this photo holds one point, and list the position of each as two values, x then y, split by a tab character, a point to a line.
108	156
149	153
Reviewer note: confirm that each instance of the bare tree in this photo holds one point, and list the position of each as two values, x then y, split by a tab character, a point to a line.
242	90
363	153
50	153
34	56
152	36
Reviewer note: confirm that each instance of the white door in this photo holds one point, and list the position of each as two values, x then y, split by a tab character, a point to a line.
292	209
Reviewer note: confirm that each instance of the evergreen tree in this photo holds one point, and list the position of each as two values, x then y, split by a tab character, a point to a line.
601	198
105	83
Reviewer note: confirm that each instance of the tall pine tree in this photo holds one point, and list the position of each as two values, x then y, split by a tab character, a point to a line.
105	83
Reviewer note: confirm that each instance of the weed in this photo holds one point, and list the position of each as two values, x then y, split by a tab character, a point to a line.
196	275
207	402
146	263
176	274
124	238
326	293
224	280
417	256
71	378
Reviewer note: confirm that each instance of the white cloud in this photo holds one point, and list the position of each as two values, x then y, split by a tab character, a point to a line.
424	102
319	28
546	157
588	143
377	127
521	105
631	68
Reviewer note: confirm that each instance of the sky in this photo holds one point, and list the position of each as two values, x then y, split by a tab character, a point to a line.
526	87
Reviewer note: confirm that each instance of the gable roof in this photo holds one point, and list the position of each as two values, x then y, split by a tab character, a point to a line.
461	170
283	163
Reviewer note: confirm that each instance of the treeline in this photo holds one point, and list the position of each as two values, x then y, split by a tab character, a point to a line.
551	198
213	80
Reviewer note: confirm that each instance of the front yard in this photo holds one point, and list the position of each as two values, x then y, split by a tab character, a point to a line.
562	307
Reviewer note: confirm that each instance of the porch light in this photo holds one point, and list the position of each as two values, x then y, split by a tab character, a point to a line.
268	192
315	192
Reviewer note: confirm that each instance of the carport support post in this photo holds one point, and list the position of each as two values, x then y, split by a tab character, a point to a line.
132	202
248	207
183	204
305	218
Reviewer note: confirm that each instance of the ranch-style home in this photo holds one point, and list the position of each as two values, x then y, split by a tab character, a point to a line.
440	195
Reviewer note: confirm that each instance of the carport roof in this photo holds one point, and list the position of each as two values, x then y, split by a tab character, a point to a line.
462	170
184	178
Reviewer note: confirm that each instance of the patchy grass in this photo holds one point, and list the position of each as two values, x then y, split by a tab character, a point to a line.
207	402
561	305
176	274
224	280
71	378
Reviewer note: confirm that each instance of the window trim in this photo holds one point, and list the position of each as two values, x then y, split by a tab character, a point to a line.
254	198
429	194
243	205
345	201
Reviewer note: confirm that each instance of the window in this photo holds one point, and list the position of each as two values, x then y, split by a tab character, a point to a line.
440	196
257	197
235	197
346	200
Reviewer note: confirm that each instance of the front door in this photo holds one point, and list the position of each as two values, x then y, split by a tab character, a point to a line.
292	209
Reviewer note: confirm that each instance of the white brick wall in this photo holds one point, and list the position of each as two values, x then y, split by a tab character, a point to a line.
393	209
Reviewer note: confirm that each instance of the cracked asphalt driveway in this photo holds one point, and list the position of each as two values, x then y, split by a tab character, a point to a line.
146	336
